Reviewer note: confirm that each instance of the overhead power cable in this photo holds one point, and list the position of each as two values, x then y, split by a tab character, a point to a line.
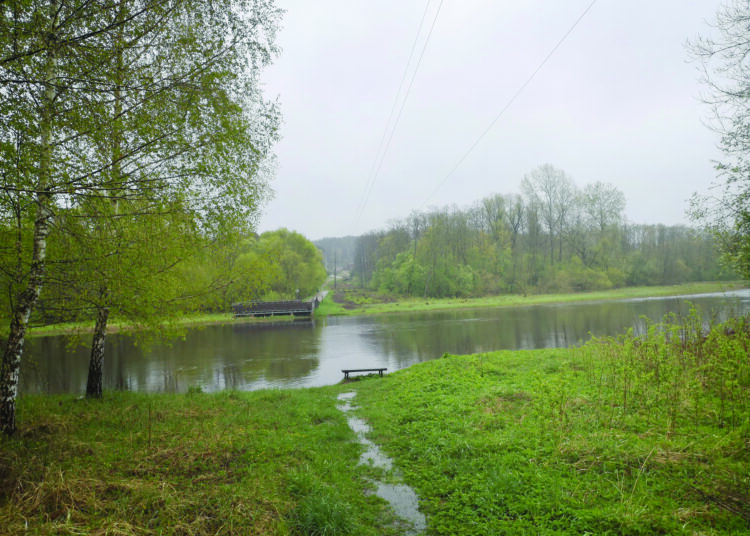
510	102
385	141
398	92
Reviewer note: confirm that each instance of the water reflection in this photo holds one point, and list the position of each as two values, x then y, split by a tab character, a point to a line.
295	354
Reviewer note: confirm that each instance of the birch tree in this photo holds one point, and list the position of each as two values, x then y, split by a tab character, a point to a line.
35	65
112	105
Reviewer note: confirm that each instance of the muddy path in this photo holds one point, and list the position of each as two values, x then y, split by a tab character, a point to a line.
401	497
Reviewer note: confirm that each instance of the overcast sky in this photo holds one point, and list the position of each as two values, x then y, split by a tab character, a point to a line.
618	102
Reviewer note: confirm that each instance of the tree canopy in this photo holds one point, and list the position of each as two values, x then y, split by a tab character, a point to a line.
724	59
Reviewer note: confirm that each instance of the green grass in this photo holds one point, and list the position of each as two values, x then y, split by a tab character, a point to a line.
627	436
269	462
328	307
362	302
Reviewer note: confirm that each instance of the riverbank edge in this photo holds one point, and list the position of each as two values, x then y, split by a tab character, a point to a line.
192	321
331	308
501	427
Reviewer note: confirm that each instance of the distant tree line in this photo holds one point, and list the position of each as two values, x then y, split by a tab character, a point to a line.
553	237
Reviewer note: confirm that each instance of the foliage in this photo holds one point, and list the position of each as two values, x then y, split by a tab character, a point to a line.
724	61
693	378
556	238
227	270
124	270
298	262
270	266
113	112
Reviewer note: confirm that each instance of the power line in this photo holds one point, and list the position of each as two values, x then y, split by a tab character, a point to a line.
510	102
380	155
398	92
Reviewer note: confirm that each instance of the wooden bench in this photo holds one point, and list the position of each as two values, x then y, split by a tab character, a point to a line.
378	370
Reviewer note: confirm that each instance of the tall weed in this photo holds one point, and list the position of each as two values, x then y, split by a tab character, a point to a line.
678	373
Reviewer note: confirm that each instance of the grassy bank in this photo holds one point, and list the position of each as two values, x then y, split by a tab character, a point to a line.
615	438
353	301
621	436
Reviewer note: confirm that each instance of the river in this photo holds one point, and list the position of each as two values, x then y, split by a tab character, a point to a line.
248	356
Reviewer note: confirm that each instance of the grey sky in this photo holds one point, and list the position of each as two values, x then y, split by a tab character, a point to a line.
618	102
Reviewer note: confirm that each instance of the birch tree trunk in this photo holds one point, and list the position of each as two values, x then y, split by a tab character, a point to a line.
11	363
94	383
12	355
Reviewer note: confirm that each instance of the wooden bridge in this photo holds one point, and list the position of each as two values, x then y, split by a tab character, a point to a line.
275	308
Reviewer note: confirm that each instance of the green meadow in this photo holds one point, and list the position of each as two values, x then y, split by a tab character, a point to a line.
628	435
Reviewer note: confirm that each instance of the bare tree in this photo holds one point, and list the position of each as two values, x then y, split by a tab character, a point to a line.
603	204
553	192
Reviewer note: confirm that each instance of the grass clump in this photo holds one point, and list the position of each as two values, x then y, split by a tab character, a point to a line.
321	510
323	514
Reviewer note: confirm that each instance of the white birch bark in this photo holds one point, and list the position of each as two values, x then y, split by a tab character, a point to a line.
11	363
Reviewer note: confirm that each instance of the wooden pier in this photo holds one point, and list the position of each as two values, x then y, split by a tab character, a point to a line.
275	308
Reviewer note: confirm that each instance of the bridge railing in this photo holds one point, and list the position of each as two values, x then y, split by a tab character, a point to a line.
270	308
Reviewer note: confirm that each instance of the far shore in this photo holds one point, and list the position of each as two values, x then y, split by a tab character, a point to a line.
375	306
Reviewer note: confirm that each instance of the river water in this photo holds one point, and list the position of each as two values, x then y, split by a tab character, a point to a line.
248	356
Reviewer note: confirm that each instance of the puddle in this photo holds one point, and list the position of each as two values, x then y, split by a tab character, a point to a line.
372	454
401	497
